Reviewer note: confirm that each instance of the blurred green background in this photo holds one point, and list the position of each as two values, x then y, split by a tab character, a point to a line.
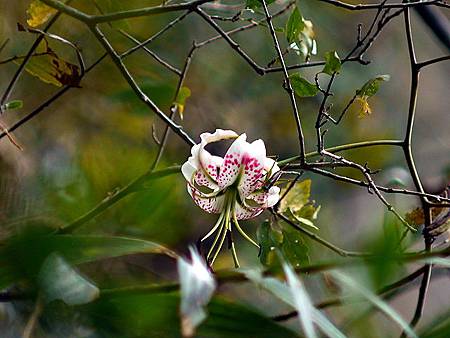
97	138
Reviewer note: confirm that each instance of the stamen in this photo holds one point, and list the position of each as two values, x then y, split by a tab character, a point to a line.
215	241
225	225
247	237
219	221
222	240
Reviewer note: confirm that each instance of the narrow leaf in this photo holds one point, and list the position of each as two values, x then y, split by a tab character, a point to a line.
375	300
59	281
141	314
283	292
23	254
301	300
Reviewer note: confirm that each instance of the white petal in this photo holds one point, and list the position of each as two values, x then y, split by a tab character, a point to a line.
188	170
253	160
270	166
265	199
246	212
211	204
218	135
197	286
273	197
211	164
230	169
202	159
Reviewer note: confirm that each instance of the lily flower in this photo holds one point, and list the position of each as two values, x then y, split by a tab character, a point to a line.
237	186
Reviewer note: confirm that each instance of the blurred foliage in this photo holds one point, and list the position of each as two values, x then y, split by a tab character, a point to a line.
83	148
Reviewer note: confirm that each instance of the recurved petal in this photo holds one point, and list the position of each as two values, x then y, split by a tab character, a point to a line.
212	204
266	199
188	170
243	212
218	135
203	159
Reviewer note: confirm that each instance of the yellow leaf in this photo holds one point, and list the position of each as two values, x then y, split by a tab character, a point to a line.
297	196
50	68
39	13
364	108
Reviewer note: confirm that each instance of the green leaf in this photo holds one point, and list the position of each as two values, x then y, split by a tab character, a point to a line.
302	301
288	242
371	87
180	101
269	239
14	104
302	40
375	300
135	314
294	248
294	25
333	63
302	87
255	4
59	281
288	293
22	255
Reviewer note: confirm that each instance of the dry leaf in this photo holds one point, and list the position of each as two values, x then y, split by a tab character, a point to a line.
50	68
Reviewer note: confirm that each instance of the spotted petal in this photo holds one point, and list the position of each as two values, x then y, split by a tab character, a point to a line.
202	167
266	199
230	169
244	212
208	162
212	204
252	170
